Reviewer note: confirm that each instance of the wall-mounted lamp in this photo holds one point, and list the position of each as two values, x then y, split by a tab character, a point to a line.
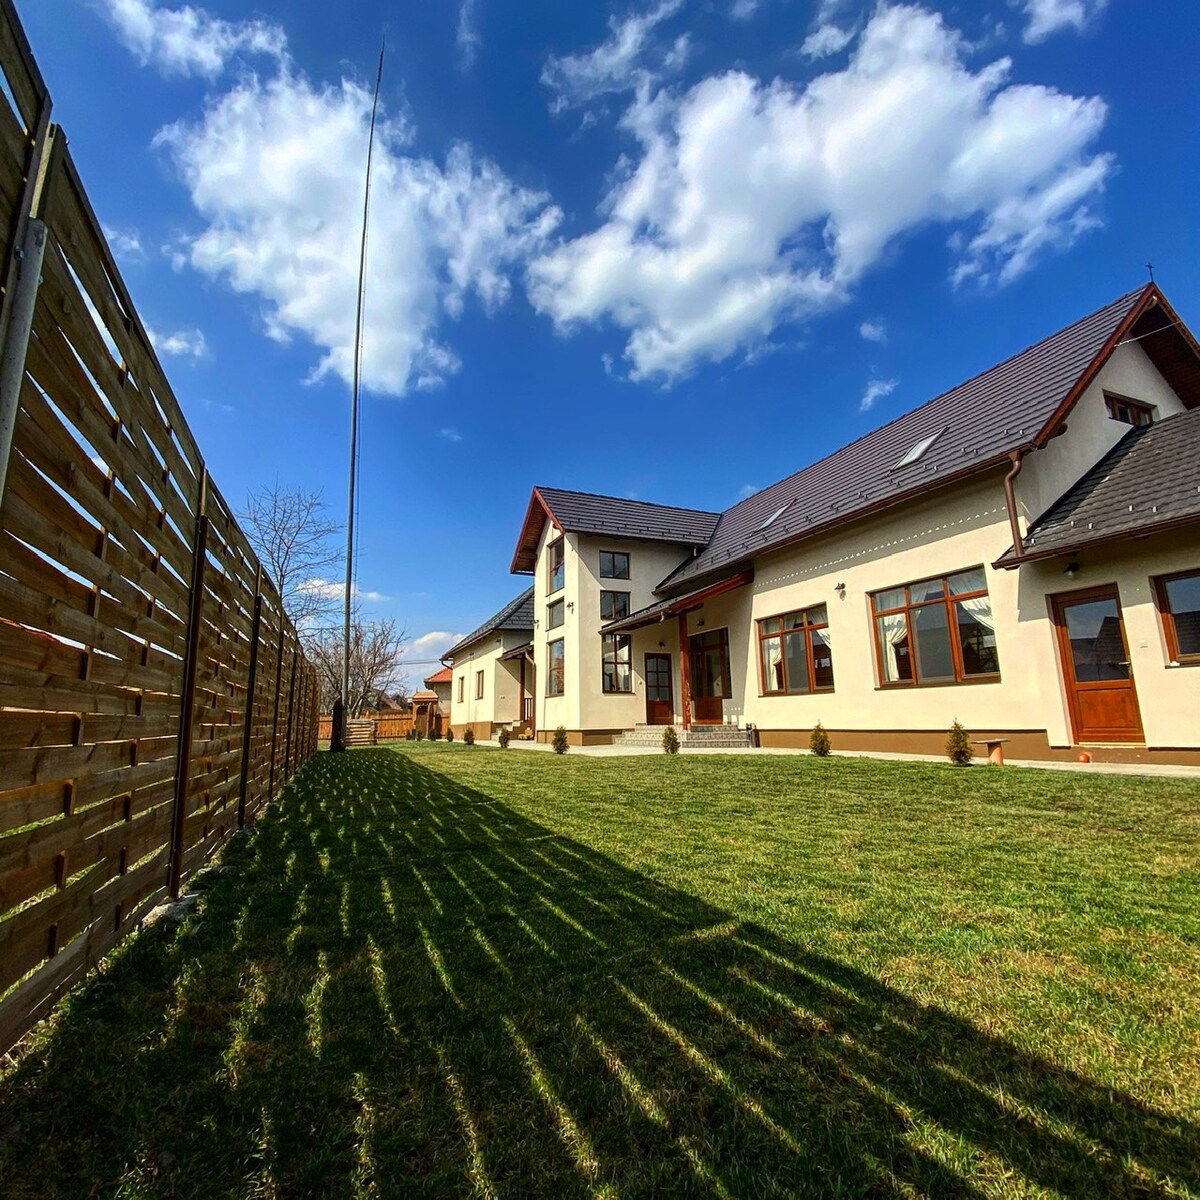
571	605
537	622
662	645
840	588
700	623
1072	570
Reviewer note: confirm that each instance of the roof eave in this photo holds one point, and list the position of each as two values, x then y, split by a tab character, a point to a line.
1009	561
524	556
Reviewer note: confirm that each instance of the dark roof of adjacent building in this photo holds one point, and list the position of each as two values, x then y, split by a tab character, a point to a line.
1016	405
1149	481
515	615
584	512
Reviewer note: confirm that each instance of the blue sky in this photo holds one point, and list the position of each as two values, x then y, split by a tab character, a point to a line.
670	250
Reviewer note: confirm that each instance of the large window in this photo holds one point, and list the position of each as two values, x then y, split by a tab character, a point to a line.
936	631
1179	603
556	560
555	683
617	661
478	685
794	653
614	605
554	614
614	565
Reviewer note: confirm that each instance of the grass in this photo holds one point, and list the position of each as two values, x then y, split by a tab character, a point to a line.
437	971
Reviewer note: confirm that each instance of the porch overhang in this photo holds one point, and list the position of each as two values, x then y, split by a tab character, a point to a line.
656	613
525	651
1010	560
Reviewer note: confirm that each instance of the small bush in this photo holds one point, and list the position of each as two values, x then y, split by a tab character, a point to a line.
560	740
503	739
818	741
670	740
449	734
418	735
469	736
958	746
435	734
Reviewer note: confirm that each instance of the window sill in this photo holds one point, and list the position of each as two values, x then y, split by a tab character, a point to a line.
973	681
1186	660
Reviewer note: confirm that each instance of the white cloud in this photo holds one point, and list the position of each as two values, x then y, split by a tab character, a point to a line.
450	434
433	644
467	34
335	590
183	343
873	331
1047	17
752	204
275	170
826	40
126	244
876	389
743	10
618	64
747	489
187	40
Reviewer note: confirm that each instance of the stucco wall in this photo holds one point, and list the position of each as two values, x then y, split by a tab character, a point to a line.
500	703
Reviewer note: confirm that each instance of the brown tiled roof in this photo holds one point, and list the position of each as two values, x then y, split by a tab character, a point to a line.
445	675
1149	481
973	426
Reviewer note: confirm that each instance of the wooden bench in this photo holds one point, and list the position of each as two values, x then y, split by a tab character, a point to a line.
995	749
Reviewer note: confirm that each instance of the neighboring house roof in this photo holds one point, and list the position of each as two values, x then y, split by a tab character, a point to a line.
583	512
516	614
1149	481
1017	405
445	675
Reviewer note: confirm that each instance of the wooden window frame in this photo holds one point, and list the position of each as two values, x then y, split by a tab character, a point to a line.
551	623
614	554
948	601
613	616
478	685
462	688
1113	401
808	629
556	562
605	638
1170	633
562	668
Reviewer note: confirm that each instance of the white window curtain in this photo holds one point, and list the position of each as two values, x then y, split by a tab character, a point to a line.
823	636
981	609
893	630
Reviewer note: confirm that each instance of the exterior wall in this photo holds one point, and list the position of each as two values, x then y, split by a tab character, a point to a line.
501	700
1091	432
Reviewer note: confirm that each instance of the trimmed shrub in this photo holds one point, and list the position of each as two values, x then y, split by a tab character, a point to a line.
958	746
435	734
469	736
560	740
503	738
818	741
449	734
670	740
418	735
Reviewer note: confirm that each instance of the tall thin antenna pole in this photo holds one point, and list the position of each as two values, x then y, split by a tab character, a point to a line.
338	739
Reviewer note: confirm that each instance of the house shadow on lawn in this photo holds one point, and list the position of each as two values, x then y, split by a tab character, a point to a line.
402	987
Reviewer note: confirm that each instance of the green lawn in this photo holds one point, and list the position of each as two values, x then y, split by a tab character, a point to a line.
444	971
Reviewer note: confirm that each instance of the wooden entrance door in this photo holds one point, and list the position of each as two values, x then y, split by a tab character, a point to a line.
1101	695
660	701
710	675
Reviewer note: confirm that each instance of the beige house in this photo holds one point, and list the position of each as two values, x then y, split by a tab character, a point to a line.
492	677
1021	553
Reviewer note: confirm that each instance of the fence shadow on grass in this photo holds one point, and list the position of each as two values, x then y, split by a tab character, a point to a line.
402	987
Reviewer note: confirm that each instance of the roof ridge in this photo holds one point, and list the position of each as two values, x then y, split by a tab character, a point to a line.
706	512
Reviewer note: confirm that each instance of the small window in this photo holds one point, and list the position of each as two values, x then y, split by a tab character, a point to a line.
555	683
478	685
614	605
774	517
556	561
794	653
462	687
918	451
936	631
1127	411
1179	604
617	663
554	614
614	565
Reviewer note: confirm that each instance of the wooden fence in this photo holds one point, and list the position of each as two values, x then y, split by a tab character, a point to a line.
389	726
153	695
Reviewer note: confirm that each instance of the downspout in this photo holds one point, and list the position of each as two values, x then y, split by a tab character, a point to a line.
1017	458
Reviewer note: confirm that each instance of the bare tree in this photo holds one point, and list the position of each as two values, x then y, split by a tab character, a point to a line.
293	535
375	670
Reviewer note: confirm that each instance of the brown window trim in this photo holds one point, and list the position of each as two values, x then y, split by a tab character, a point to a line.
1113	401
628	661
946	600
462	688
556	549
1170	633
807	629
550	669
611	615
615	554
478	685
551	623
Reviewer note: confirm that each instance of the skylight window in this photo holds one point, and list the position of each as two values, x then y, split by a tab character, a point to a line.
918	451
774	517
